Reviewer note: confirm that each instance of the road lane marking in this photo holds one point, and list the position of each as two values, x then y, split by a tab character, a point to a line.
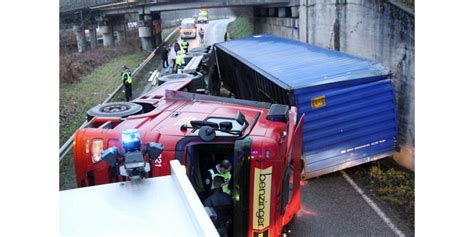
373	205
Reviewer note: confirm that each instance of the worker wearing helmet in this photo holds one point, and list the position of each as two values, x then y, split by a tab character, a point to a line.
221	169
127	82
185	45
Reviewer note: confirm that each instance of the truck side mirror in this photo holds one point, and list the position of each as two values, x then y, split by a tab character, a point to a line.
154	150
110	156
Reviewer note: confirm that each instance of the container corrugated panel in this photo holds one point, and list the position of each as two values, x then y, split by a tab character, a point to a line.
348	102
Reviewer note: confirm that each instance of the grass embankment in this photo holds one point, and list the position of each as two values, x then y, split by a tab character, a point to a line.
77	98
240	27
166	32
394	186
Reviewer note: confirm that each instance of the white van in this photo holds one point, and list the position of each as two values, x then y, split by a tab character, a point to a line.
187	29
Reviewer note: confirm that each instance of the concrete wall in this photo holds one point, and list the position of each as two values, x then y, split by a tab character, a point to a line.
373	29
284	27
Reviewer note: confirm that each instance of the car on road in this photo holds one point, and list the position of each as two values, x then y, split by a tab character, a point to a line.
203	17
188	29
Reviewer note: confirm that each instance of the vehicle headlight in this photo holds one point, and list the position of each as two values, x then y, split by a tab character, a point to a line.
97	147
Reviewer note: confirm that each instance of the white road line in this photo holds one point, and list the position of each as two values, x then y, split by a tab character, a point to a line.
373	205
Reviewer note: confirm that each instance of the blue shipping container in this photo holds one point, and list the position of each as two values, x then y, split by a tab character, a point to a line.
348	102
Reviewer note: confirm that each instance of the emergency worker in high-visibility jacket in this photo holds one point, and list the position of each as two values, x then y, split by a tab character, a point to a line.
221	169
226	36
127	82
185	45
179	61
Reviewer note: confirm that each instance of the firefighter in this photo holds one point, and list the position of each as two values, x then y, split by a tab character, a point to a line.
185	45
221	169
127	82
226	36
179	60
221	202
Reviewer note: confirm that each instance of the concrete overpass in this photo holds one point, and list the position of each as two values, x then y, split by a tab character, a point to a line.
128	6
112	16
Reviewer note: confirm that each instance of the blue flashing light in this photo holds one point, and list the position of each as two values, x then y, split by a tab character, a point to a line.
131	140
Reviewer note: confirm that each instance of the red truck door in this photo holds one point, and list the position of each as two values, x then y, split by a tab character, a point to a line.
295	153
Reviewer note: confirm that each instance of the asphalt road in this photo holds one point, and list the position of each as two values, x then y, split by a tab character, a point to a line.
332	207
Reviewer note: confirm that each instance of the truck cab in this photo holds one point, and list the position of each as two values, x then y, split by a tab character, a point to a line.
263	142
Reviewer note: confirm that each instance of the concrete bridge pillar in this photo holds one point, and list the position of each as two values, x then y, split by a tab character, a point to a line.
156	26
121	33
93	36
80	38
303	21
284	12
107	35
146	36
147	33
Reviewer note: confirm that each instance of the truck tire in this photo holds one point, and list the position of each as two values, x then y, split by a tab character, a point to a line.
114	109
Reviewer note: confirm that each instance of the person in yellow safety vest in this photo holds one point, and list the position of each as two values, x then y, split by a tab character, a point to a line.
185	45
226	36
221	169
127	82
180	59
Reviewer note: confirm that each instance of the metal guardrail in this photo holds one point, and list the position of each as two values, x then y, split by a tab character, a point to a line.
66	147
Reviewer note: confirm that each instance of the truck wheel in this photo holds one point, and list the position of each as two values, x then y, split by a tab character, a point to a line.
114	109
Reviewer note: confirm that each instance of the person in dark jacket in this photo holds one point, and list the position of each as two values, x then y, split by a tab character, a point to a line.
164	56
127	82
177	47
221	202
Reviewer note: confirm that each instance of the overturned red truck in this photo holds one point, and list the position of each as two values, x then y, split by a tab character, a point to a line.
263	141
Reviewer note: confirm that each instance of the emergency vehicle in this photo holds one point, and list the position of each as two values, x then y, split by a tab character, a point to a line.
263	142
188	29
203	16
